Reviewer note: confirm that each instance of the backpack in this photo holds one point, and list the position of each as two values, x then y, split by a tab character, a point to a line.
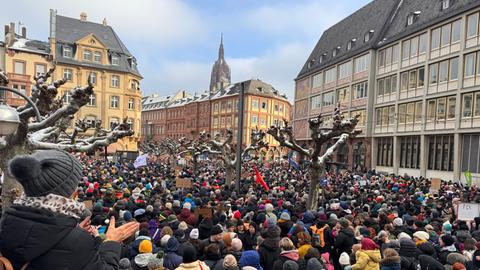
318	239
5	264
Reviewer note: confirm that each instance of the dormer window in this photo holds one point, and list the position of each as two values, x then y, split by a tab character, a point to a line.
310	63
368	36
323	57
134	64
335	51
350	44
67	52
445	4
412	17
115	60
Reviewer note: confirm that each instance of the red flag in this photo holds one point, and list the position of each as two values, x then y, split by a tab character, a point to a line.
259	179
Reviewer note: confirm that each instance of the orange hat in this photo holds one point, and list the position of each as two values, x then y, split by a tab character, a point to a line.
145	247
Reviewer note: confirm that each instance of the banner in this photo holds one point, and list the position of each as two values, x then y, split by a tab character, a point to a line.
468	211
468	178
140	161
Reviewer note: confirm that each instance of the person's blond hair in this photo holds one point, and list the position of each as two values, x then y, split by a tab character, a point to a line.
286	244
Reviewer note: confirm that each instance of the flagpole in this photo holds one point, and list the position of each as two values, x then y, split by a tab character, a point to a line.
240	137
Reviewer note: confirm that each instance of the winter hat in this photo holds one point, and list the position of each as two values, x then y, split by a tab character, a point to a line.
344	223
164	240
216	230
155	263
456	257
189	254
145	246
447	240
127	216
229	262
237	244
290	265
183	226
398	222
421	235
344	259
187	205
194	234
168	205
314	264
285	216
149	208
139	212
47	171
268	207
429	227
458	266
124	264
447	226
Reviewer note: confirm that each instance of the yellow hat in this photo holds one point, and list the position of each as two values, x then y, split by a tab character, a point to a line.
145	246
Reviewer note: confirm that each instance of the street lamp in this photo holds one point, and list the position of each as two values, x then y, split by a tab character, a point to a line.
9	117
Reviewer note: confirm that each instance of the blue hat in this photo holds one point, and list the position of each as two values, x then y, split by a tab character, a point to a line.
139	212
127	216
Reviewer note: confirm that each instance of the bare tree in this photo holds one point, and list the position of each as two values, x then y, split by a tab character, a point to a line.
52	132
341	130
227	153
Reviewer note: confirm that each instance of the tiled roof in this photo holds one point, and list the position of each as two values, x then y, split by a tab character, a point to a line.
30	45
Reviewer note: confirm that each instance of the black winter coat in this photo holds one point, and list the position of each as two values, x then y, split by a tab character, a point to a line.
269	251
430	263
344	241
53	241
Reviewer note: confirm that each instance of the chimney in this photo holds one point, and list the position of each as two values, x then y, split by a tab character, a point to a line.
12	28
24	32
104	22
7	29
83	16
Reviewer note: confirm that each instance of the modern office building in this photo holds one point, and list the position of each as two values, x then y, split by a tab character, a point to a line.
421	112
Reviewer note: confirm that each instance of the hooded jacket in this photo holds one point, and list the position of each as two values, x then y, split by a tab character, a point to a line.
269	249
53	241
171	260
187	216
291	255
430	263
367	260
250	258
344	241
196	265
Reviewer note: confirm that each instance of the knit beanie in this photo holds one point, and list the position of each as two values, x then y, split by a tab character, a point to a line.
183	226
216	230
47	171
155	263
164	240
229	262
447	240
194	234
398	222
421	235
124	264
314	264
145	247
290	265
285	216
344	259
189	254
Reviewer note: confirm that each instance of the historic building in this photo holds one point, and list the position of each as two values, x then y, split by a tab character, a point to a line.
216	110
421	91
80	49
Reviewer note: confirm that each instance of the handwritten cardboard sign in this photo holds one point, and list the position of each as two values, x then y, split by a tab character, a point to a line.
468	211
183	183
204	212
435	184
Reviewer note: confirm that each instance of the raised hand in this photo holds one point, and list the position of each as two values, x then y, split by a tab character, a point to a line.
121	233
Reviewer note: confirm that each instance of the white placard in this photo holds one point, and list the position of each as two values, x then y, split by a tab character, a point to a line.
468	211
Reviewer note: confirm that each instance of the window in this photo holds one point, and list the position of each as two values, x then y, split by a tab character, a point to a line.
317	80
445	35
440	153
360	90
472	25
349	45
435	42
413	46
441	108
467	105
115	81
431	109
254	120
456	27
451	101
334	52
421	77
87	55
40	69
342	95
315	102
114	122
477	104
410	152
381	58
410	19
422	43
92	102
264	105
361	118
385	151
68	74
97	57
131	104
362	63
381	87
20	88
114	102
469	65
388	56
404	81
470	153
115	60
412	82
327	98
330	75
67	97
344	70
366	37
93	77
19	67
433	73
443	71
263	121
254	104
445	4
67	52
395	53
454	68
405	49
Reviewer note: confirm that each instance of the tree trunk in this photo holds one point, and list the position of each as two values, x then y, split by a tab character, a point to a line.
11	188
229	175
315	173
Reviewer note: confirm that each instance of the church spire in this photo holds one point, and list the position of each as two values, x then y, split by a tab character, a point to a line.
220	49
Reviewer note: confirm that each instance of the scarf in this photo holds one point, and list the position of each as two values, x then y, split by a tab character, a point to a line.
451	248
419	242
53	203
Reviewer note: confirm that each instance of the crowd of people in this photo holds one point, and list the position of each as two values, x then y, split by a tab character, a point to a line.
85	213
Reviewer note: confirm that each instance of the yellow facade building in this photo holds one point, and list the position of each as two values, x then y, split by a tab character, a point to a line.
80	49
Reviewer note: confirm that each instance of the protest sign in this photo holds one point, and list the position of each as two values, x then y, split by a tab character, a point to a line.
183	183
435	184
468	211
203	212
